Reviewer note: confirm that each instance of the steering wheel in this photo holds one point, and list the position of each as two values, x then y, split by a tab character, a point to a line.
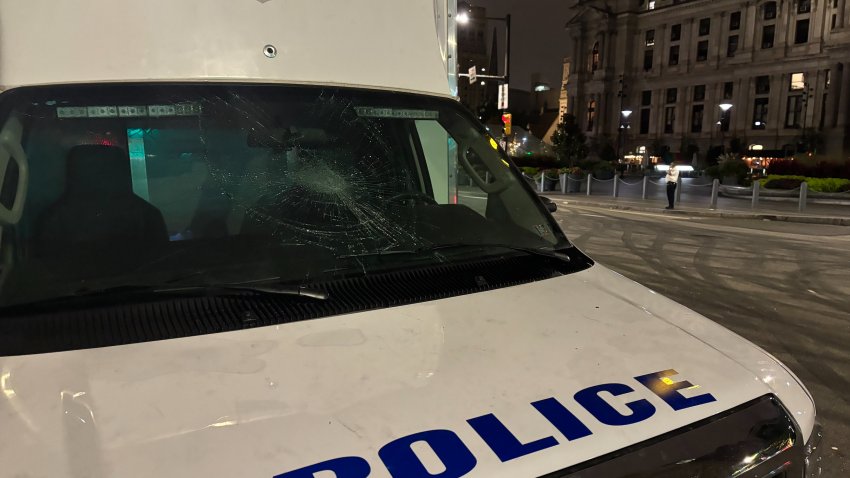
414	195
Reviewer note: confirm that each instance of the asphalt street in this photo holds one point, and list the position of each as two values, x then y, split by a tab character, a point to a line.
783	286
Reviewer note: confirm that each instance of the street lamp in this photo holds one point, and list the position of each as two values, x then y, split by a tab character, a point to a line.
724	124
624	125
463	18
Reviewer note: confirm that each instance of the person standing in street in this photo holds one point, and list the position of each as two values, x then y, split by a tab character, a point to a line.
672	184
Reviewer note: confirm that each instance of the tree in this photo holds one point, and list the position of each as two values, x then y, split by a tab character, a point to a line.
603	147
569	141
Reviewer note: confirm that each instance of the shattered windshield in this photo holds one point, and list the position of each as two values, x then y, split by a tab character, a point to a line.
104	186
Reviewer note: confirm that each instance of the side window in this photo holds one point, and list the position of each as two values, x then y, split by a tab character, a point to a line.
440	152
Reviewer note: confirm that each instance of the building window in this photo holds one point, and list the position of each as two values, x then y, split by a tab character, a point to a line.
735	21
834	19
591	114
798	81
696	119
646	98
651	5
732	46
804	6
674	55
760	113
594	57
669	118
647	60
801	34
769	10
823	112
699	93
676	32
767	36
704	27
650	38
702	50
644	121
827	78
762	85
793	112
728	90
672	95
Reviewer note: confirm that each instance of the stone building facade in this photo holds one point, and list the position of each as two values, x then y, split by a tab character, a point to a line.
778	66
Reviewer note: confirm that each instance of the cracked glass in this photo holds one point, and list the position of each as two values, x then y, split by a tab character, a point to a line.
206	184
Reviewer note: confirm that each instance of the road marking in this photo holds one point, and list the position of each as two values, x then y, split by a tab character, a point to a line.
640	213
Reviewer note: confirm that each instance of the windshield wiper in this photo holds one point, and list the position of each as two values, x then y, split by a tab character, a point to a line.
543	252
130	293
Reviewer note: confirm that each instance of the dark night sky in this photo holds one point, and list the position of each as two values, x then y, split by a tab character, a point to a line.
539	39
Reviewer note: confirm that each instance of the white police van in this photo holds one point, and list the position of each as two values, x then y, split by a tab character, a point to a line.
234	243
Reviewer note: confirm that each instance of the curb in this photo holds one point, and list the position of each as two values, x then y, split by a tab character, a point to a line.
829	220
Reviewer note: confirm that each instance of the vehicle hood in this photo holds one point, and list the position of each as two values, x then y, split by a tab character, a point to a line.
266	401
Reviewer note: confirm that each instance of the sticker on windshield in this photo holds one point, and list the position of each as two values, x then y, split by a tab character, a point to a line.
370	112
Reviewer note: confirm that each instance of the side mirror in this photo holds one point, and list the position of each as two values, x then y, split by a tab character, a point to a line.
550	205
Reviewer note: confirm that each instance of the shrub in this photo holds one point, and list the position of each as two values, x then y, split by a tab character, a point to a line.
574	171
823	169
530	171
551	174
790	182
713	172
603	170
822	185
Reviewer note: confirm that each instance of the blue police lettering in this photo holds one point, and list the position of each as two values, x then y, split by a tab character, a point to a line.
603	411
347	467
402	462
669	392
503	443
568	424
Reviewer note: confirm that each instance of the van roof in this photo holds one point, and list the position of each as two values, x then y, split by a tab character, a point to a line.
383	44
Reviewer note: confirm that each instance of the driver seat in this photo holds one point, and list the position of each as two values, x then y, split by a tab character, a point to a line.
98	221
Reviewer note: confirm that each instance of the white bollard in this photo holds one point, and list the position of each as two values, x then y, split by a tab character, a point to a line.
756	188
715	190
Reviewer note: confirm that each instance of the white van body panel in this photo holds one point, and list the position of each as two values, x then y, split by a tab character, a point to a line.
265	401
381	44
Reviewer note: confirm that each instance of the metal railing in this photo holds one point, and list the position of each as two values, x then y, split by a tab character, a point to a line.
754	193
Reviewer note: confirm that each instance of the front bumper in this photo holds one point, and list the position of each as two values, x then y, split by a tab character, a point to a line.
814	453
756	440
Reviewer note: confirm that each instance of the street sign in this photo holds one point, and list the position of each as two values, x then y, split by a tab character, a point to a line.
503	96
473	75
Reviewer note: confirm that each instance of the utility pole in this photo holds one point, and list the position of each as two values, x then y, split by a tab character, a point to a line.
622	116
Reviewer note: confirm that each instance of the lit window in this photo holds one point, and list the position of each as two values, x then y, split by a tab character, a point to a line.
798	81
641	150
756	147
652	4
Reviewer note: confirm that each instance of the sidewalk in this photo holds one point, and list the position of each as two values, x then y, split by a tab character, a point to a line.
727	207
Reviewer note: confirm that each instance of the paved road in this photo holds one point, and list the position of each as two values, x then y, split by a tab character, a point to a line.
784	286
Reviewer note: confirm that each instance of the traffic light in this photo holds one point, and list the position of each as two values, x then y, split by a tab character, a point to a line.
506	119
